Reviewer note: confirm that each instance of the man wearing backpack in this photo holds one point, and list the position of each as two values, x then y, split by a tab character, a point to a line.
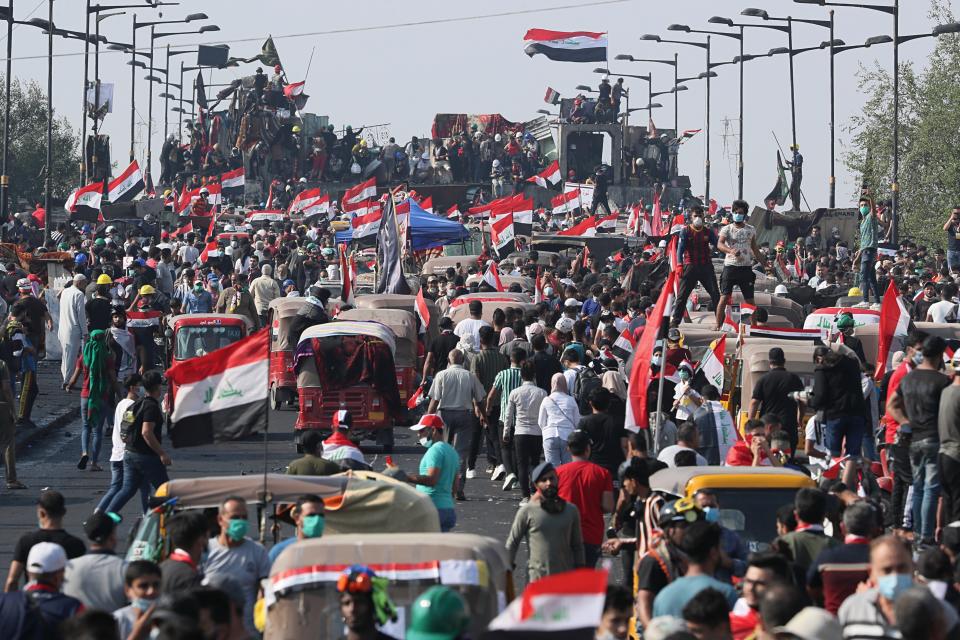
38	610
581	380
144	460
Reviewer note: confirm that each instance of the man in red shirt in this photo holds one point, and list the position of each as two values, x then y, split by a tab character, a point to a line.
898	453
754	449
590	488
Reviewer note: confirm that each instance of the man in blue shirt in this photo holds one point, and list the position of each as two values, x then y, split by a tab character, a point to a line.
438	469
308	515
701	543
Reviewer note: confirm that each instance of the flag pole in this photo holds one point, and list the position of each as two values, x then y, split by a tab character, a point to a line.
266	441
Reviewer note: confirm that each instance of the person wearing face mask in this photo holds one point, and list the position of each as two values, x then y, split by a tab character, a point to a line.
142	587
733	551
198	299
694	251
870	612
551	527
235	555
738	241
308	515
437	477
869	240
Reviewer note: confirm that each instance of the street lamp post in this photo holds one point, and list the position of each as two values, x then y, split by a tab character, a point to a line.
674	63
5	178
166	90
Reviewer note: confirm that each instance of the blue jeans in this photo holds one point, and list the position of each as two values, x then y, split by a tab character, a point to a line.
926	486
868	275
555	451
953	260
448	519
116	482
139	470
849	428
92	431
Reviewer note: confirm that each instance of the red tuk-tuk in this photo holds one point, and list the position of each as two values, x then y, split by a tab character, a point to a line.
195	334
283	380
340	365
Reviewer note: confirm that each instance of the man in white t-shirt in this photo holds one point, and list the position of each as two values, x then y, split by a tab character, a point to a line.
738	241
688	437
944	310
188	253
471	326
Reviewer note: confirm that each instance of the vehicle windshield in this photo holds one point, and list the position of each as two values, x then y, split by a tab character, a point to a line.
751	513
197	341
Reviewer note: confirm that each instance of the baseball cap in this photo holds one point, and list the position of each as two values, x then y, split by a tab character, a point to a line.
571	302
540	469
23	284
674	335
431	420
46	557
812	623
342	419
99	526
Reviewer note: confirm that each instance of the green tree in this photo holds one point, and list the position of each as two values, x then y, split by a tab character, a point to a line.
929	136
27	154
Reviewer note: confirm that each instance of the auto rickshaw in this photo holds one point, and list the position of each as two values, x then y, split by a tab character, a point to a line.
526	284
748	496
491	302
283	381
406	303
302	599
358	502
870	336
436	266
324	391
404	326
196	334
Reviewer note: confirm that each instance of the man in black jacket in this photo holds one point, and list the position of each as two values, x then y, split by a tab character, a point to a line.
314	312
837	392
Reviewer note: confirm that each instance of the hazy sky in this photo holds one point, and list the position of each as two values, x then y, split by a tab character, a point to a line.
406	74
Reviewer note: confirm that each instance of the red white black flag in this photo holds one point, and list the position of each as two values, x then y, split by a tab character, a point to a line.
566	46
221	396
362	191
550	175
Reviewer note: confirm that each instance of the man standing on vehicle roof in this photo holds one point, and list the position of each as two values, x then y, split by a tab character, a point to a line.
738	240
694	252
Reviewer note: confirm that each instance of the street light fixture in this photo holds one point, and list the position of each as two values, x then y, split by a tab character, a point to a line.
675	63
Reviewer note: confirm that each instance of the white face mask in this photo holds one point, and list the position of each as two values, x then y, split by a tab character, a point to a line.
698	222
424	442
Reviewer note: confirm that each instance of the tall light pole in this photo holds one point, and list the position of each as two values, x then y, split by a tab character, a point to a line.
166	90
675	63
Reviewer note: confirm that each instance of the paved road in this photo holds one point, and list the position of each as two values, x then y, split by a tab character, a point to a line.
51	462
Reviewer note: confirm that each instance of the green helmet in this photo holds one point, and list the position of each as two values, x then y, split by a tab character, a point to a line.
439	613
845	321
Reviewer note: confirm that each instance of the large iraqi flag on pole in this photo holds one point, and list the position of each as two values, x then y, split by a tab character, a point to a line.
221	396
566	46
894	325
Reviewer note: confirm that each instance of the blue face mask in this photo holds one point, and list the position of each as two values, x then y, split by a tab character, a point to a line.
237	529
739	217
142	603
894	584
711	514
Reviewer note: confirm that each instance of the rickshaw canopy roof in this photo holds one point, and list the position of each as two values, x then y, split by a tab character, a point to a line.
462	312
287	307
404	302
676	481
401	323
202	493
353	328
869	335
525	283
465	299
441	263
210	319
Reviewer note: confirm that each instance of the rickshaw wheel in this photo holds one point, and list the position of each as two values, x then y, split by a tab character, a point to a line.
274	398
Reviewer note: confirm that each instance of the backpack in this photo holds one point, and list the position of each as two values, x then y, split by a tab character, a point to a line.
132	421
586	381
20	618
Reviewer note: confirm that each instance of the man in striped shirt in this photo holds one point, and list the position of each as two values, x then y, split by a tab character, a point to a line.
505	382
487	365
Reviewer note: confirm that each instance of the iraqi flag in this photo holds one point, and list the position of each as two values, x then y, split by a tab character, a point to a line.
784	333
586	227
826	317
144	319
360	192
221	396
453	213
492	276
538	287
346	291
482	211
293	90
686	135
423	313
233	179
656	222
711	364
427	204
184	230
502	236
608	223
310	202
549	176
563	606
212	250
894	326
127	185
552	96
89	196
678	223
638	414
624	345
266	216
365	228
565	202
566	46
214	194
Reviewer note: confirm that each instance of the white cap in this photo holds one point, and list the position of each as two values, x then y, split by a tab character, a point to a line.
111	229
571	303
812	623
780	290
46	557
565	324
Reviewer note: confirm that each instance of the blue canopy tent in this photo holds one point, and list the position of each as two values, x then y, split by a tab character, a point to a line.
426	230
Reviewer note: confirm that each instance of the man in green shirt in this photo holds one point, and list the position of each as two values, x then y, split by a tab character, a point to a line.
312	464
869	240
438	469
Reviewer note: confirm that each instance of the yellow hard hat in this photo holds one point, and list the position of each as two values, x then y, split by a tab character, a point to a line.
855	292
104	279
147	290
363	143
296	128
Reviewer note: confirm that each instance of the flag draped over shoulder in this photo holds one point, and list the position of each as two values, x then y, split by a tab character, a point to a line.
222	395
566	46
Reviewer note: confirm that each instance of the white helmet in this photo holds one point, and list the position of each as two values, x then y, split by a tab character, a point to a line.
780	290
497	138
496	163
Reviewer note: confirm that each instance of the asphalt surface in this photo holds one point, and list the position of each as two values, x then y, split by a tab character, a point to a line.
51	461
